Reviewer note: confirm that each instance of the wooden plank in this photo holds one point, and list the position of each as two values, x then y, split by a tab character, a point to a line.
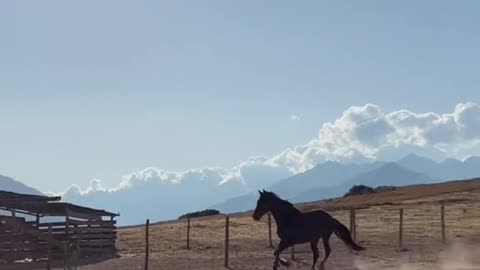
93	222
92	230
103	250
51	224
80	230
99	244
63	237
86	216
25	245
19	236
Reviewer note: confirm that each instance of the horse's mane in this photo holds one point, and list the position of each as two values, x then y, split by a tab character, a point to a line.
288	207
275	196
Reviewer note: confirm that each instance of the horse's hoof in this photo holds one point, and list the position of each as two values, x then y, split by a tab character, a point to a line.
284	262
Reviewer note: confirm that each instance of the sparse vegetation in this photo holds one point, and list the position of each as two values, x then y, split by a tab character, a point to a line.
204	213
363	189
359	190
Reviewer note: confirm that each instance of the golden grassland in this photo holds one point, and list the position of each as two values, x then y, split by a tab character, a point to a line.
377	221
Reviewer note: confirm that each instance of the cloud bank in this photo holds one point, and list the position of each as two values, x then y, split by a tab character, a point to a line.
367	133
360	134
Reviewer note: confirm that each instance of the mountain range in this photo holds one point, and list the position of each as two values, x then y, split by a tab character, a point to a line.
333	179
160	200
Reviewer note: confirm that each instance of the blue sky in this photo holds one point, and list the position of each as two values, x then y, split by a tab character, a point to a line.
100	89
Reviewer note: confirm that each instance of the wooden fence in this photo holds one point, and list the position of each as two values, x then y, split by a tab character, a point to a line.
46	243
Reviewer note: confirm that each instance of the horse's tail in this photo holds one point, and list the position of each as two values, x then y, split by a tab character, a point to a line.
343	233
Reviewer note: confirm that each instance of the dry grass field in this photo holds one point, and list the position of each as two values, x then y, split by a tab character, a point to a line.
377	229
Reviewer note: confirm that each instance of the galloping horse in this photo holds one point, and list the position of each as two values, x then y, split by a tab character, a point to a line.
295	227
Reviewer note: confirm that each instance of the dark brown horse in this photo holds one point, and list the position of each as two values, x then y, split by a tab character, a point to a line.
295	227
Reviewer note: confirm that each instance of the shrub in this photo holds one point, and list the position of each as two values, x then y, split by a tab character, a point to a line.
204	213
359	190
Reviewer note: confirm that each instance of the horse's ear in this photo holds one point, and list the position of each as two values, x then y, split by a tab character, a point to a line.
260	192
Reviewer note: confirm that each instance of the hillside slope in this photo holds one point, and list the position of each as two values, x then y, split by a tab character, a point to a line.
9	184
389	174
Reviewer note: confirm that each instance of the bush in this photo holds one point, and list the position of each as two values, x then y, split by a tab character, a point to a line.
363	189
359	190
204	213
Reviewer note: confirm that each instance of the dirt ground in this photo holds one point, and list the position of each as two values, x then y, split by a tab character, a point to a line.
377	230
456	256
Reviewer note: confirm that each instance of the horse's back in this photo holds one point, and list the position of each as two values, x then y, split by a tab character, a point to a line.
319	216
318	212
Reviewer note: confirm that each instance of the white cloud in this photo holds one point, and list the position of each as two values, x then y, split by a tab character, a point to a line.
360	134
366	132
295	117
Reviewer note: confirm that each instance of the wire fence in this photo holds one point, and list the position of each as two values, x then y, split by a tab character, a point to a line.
406	226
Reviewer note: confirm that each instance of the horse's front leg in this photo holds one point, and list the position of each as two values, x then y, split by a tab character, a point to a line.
281	247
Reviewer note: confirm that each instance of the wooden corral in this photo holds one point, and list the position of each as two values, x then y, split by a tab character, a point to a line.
42	232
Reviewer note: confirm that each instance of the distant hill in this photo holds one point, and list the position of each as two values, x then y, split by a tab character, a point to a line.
156	200
238	204
449	169
331	179
9	184
389	174
323	175
311	185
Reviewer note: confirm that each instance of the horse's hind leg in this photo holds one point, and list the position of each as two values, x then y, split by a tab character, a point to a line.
314	247
326	244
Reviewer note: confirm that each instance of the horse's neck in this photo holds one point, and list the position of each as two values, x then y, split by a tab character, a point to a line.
283	212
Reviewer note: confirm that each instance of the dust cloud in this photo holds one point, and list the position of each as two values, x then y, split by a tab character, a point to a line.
457	256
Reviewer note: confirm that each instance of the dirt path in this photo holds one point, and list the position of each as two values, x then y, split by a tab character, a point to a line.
436	257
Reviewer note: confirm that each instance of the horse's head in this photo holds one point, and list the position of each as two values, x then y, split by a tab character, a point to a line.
263	205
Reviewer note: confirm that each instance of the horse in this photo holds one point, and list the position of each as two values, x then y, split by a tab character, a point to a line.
295	227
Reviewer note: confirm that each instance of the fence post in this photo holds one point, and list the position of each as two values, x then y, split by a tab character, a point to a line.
66	260
270	230
353	224
227	235
188	233
442	217
147	248
400	230
49	251
292	255
37	221
14	239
